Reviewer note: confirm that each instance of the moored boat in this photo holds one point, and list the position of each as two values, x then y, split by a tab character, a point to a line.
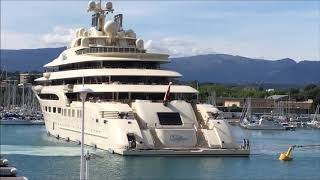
133	107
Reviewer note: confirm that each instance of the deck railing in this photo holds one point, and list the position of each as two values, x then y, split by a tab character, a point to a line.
109	50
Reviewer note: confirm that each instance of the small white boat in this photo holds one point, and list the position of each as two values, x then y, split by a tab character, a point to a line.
248	121
264	124
289	126
315	123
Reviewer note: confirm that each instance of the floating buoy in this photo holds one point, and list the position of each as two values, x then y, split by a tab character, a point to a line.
8	171
287	156
4	162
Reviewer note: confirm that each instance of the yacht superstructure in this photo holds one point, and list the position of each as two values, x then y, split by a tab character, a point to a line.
135	107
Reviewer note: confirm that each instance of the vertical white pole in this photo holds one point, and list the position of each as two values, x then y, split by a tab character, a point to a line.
82	140
87	164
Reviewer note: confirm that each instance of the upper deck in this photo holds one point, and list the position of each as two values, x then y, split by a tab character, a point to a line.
105	40
92	54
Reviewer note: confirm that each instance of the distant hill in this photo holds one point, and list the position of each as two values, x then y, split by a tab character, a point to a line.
28	59
218	68
223	68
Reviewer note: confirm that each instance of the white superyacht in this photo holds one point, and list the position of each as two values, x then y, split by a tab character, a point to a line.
133	108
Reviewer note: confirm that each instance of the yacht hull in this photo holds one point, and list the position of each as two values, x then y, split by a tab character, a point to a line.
103	142
187	152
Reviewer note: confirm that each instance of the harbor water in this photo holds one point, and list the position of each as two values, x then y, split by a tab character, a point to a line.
38	156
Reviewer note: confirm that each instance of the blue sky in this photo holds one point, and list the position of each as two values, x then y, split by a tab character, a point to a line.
258	29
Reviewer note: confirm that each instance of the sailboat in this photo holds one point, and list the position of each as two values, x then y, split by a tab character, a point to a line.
248	121
315	122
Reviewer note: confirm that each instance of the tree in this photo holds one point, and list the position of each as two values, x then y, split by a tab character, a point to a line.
309	87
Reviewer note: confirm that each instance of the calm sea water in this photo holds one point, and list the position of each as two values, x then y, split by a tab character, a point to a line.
38	157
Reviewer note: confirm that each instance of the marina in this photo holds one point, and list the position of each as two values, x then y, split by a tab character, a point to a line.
145	93
32	152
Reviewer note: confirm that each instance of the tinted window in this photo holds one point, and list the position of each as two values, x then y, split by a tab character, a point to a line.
49	96
169	118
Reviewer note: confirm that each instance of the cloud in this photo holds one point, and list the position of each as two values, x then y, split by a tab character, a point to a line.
60	36
18	40
177	47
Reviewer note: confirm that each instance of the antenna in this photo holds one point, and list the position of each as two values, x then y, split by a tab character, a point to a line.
99	13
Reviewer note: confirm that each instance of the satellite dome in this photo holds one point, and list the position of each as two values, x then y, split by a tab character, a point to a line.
81	32
110	28
46	75
140	44
109	5
130	33
91	5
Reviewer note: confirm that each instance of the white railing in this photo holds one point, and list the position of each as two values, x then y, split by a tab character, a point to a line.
109	50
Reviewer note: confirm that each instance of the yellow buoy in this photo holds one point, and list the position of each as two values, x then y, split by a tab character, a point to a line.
286	156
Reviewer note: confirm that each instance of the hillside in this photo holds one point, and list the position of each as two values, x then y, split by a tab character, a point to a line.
219	68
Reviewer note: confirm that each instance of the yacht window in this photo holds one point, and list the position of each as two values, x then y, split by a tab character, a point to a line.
54	109
49	109
65	112
73	113
59	110
169	118
69	112
213	115
46	109
49	96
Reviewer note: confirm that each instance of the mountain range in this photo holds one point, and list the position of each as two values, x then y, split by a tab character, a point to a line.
218	68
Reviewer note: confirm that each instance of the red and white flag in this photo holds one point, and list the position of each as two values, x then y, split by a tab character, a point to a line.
167	95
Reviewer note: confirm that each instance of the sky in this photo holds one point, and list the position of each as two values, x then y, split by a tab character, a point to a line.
257	29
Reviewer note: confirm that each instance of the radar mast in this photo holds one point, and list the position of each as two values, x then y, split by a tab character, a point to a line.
98	18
